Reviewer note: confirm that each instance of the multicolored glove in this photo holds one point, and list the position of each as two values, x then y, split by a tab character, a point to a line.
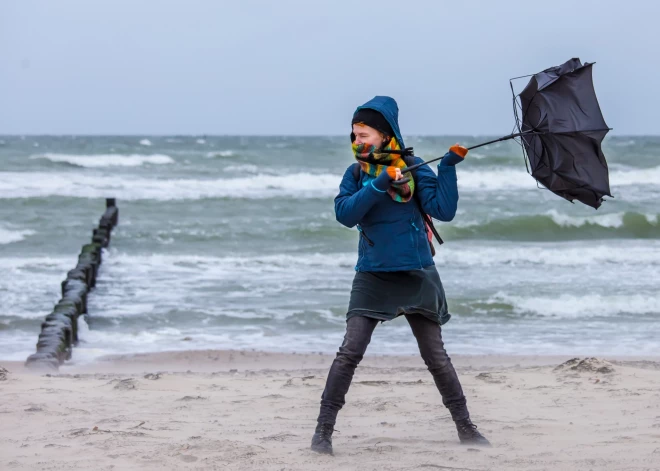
455	155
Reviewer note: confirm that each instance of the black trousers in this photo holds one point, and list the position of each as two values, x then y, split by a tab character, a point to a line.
356	340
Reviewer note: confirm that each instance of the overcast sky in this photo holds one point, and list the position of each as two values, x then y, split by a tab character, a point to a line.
301	67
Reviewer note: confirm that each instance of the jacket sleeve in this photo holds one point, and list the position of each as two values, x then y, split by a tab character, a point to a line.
437	194
354	200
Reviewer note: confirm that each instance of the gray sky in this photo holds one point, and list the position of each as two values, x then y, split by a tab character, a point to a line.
301	67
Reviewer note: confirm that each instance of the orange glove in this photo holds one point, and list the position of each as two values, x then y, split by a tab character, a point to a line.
459	150
394	173
455	156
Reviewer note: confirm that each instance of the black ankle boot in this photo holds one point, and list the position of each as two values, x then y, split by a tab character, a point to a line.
468	433
322	439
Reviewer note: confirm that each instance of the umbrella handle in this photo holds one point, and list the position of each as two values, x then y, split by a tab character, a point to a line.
400	181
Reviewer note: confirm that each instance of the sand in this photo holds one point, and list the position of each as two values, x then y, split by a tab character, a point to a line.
252	410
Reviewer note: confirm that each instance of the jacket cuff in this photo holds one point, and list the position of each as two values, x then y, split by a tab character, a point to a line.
371	183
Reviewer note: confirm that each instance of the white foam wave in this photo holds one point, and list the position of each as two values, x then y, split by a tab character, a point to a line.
493	180
97	343
243	168
240	286
145	142
606	220
261	262
201	141
519	179
478	156
640	176
107	160
627	143
136	289
222	153
30	286
305	185
77	185
611	220
35	263
573	306
613	253
9	236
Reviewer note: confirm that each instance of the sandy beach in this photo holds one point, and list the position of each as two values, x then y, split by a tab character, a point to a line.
253	410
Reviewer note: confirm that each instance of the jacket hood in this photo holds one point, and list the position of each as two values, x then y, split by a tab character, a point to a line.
386	106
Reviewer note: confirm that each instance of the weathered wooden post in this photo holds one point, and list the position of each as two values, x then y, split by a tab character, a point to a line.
59	331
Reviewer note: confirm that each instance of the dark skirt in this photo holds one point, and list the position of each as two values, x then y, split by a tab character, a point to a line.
387	295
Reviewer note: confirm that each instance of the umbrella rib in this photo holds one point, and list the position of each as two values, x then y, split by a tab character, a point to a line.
577	131
517	124
522	76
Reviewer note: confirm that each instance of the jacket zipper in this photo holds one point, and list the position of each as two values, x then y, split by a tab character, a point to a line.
412	222
369	241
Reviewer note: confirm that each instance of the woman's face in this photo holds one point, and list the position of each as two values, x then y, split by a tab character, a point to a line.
367	135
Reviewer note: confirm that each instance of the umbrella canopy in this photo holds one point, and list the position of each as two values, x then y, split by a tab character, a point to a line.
562	128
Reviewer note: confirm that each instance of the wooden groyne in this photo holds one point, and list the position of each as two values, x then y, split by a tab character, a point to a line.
59	331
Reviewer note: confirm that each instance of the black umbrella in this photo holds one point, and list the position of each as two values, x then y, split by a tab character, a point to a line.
561	129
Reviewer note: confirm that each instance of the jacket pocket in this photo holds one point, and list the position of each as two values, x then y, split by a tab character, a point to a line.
364	236
360	247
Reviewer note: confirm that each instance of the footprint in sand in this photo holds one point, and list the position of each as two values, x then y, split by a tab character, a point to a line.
588	365
279	437
127	384
192	398
490	378
298	381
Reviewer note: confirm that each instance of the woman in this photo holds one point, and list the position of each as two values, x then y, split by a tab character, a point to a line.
395	270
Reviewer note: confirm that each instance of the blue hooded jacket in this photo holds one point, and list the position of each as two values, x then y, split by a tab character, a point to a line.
396	238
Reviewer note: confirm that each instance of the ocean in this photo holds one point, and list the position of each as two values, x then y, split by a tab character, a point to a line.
231	243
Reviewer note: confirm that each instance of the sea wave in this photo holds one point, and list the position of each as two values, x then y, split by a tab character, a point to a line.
579	306
30	286
510	178
264	185
78	185
488	254
220	153
106	160
9	236
553	225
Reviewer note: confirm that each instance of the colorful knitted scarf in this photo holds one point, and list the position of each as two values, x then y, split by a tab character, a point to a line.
373	162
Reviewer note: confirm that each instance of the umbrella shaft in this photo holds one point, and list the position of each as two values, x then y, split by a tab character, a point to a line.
505	138
510	136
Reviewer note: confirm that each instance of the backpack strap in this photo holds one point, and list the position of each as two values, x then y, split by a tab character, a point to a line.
355	168
410	161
